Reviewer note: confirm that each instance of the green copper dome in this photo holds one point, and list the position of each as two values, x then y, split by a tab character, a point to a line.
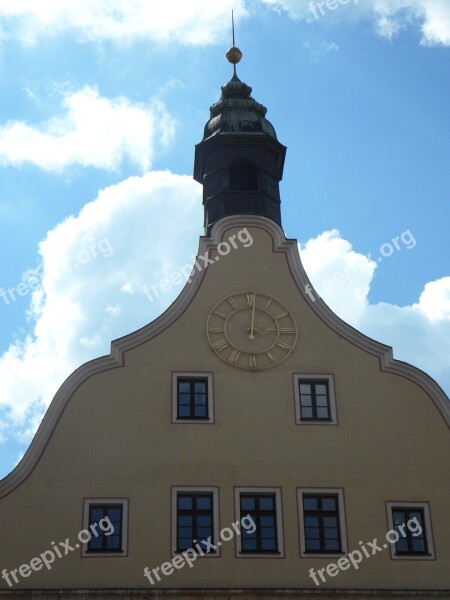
238	112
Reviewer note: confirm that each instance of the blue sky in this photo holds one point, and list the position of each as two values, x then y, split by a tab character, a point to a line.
102	103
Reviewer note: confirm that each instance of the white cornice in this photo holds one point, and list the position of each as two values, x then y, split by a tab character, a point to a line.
120	346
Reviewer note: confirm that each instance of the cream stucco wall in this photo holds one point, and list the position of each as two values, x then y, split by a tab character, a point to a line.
115	438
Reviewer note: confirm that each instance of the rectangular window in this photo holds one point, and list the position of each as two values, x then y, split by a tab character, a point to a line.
321	519
321	523
101	515
192	397
412	524
263	505
315	399
105	524
195	518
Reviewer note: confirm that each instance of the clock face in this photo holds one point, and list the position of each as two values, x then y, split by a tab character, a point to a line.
251	330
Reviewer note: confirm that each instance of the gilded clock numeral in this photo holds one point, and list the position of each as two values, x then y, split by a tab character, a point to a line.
281	315
252	360
233	302
219	314
216	330
287	330
234	356
271	358
268	304
283	345
250	299
221	344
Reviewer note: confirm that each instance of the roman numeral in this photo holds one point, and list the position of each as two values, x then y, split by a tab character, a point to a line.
268	304
250	299
271	358
234	356
281	315
283	345
220	345
216	330
220	315
287	330
252	360
233	303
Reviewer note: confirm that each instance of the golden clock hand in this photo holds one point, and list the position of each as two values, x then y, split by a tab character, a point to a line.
252	328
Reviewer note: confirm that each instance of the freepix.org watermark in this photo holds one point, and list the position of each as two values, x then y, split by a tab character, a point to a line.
60	550
201	262
348	274
32	281
318	8
189	556
367	550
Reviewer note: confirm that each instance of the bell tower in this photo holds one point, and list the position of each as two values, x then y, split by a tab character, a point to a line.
240	161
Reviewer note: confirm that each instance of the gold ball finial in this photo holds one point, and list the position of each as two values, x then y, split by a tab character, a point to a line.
234	55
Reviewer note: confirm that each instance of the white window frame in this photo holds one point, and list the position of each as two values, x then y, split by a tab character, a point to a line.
278	507
332	398
428	530
339	492
192	375
214	490
104	501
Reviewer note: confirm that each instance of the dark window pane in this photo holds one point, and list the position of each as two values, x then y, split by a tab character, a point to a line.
328	504
418	545
247	503
309	503
185	502
266	503
322	413
402	545
204	502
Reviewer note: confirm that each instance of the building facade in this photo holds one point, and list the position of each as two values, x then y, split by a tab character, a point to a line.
247	443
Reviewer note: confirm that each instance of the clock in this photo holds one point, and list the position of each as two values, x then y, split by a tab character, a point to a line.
251	331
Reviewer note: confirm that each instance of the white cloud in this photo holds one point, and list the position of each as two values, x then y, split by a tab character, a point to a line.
192	23
389	16
335	268
126	238
94	132
419	334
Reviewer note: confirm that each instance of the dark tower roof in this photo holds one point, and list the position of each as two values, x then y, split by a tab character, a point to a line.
237	111
239	161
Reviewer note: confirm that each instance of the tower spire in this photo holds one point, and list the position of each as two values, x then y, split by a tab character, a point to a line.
233	55
239	161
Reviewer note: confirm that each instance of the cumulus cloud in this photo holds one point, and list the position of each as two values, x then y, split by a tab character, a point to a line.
389	16
94	132
192	23
91	285
419	334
